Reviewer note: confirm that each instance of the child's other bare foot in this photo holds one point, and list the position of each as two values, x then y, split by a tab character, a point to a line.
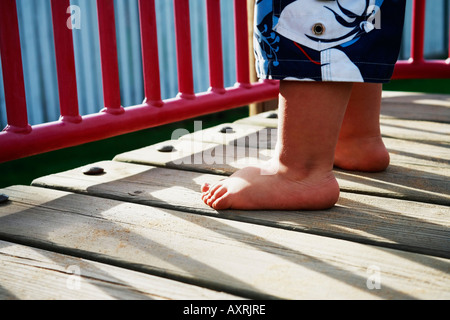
253	189
362	154
360	147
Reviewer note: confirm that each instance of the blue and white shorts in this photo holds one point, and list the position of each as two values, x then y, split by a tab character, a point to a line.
328	40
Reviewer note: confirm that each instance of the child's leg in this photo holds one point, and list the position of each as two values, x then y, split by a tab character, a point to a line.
310	119
360	146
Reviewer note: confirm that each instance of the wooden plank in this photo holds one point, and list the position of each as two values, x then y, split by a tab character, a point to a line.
424	139
268	119
418	171
418	153
35	274
403	153
402	105
197	156
406	225
422	131
258	261
425	131
237	134
416	106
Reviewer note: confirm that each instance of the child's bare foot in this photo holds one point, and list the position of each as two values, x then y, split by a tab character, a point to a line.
366	154
253	189
300	176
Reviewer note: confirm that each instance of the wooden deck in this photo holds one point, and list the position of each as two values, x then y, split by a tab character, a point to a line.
139	230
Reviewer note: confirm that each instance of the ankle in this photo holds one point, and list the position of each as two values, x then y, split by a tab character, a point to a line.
302	172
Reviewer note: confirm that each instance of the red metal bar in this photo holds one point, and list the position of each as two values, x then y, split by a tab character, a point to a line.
150	60
57	135
418	30
416	66
429	69
65	61
215	46
108	53
11	57
241	35
184	49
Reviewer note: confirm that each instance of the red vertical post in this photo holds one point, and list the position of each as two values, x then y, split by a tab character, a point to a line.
150	60
65	61
241	34
418	31
11	57
215	46
108	53
184	49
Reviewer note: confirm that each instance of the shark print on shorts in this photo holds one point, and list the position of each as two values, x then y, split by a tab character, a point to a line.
328	40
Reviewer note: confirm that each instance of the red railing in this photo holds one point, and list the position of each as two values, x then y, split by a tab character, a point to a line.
417	66
19	139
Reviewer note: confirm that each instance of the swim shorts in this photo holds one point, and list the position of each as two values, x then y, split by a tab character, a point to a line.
328	40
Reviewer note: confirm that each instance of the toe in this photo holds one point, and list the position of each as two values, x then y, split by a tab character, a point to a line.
205	187
219	192
207	195
212	189
209	201
222	203
209	191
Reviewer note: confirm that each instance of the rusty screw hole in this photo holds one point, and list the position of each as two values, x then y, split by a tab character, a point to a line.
94	171
3	198
226	130
167	148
